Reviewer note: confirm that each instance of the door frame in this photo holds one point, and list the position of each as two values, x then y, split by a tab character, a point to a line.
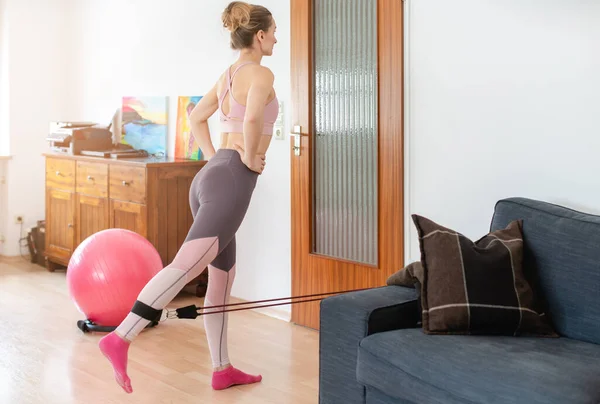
390	154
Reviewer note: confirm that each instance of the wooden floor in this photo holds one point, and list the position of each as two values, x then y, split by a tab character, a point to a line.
45	358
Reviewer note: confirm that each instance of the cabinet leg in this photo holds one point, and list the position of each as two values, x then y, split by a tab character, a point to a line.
201	290
202	284
52	266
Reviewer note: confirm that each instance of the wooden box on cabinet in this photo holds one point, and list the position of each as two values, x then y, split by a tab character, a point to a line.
87	194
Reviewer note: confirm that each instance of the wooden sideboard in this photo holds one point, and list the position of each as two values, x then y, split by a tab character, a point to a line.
87	194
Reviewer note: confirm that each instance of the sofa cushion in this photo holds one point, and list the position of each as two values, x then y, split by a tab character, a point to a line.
480	369
476	287
562	261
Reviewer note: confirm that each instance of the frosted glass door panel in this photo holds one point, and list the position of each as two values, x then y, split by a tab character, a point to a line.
345	143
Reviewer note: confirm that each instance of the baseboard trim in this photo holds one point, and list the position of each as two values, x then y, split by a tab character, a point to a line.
267	311
9	259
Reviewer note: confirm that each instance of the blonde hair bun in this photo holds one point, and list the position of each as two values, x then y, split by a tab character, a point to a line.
236	15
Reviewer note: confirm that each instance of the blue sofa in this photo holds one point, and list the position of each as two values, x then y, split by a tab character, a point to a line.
372	349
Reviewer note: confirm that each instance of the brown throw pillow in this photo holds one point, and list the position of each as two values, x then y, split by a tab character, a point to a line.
409	276
476	287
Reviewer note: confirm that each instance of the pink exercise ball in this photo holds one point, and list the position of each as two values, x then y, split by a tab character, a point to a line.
107	272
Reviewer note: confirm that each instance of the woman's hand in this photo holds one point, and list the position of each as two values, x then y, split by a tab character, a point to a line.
255	163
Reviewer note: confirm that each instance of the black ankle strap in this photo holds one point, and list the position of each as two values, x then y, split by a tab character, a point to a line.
146	312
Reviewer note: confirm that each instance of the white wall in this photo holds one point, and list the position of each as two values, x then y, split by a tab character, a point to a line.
4	82
3	197
503	101
38	38
4	139
157	47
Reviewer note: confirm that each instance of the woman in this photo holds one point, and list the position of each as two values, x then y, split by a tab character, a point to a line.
219	195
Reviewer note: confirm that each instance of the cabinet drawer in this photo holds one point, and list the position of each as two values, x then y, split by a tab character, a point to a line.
60	173
92	178
127	183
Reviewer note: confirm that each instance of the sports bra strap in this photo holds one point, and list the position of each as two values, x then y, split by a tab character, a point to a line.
230	77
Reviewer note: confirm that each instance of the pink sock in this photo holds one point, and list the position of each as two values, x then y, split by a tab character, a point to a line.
115	349
232	376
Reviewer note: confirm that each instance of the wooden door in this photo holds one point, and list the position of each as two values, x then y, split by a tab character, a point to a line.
346	147
60	214
129	216
92	216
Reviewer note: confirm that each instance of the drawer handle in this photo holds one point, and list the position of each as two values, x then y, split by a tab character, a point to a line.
58	174
125	183
90	178
70	225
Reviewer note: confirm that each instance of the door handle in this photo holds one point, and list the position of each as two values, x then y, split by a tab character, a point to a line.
296	133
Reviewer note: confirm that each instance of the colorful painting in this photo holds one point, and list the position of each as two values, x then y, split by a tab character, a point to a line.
185	144
145	123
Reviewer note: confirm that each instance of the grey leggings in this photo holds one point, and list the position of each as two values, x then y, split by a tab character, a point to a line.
219	198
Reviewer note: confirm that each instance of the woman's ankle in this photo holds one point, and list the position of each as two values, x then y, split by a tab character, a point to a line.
221	368
121	337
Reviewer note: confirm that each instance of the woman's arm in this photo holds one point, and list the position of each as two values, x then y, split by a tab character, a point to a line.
199	122
258	94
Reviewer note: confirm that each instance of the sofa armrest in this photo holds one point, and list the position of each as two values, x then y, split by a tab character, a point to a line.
344	321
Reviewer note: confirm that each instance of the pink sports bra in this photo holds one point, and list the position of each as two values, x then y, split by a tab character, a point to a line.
234	121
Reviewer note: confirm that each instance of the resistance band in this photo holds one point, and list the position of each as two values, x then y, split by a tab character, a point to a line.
193	311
